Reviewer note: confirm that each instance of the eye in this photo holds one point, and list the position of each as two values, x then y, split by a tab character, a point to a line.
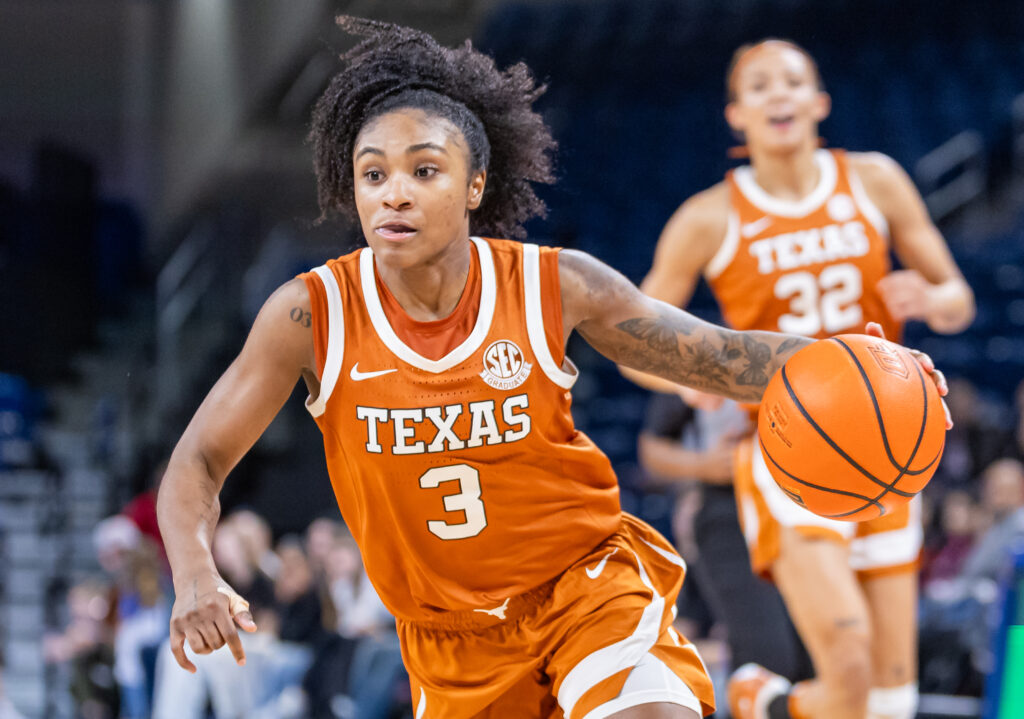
424	171
373	176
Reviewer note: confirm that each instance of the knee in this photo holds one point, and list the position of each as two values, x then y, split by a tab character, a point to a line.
848	667
893	702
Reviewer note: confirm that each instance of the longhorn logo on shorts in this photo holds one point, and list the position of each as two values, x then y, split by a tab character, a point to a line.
504	365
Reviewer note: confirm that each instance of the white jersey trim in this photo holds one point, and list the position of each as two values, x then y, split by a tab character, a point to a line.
623	654
868	208
670	556
335	342
535	321
488	293
650	681
892	548
727	250
784	208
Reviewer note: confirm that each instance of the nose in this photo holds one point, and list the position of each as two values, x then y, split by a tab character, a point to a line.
779	89
397	193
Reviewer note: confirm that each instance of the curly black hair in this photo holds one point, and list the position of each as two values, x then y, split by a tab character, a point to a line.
396	66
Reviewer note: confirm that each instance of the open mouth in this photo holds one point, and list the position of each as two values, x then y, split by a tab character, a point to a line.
395	230
783	122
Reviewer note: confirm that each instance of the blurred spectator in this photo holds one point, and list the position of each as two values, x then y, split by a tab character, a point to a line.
320	538
1003	498
256	537
359	670
298	603
87	645
979	436
114	539
142	509
957	525
142	615
238	566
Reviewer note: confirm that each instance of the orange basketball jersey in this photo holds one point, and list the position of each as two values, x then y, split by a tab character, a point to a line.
809	267
462	478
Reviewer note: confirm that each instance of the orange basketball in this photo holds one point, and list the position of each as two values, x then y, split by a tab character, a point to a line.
851	427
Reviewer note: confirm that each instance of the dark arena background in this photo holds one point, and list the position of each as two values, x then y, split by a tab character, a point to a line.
156	186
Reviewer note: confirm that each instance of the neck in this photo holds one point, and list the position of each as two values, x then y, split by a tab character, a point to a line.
790	175
430	290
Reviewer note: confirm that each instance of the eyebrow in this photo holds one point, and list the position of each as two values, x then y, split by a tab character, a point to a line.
412	149
426	146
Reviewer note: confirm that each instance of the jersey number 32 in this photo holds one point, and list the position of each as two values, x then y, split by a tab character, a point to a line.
826	301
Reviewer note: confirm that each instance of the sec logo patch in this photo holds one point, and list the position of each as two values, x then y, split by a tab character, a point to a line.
504	365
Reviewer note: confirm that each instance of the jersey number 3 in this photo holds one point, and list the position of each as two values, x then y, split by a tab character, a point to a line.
827	301
467	500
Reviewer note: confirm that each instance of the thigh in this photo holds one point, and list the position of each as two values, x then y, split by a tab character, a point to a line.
892	602
822	594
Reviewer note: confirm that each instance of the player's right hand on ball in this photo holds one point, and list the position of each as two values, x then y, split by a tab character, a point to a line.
206	615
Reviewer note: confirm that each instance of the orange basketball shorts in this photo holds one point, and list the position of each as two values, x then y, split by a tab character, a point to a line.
891	543
593	641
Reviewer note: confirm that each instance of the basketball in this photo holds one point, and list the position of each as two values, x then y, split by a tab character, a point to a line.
851	427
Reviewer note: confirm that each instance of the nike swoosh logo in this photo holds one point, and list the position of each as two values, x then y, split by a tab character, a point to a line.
358	376
757	227
595	572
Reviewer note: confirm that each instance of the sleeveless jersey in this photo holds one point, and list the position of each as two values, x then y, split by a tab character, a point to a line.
462	479
809	267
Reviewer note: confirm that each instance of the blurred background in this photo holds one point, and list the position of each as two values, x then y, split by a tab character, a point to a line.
155	187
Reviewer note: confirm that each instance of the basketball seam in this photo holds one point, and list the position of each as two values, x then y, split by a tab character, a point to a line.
804	482
903	469
832	443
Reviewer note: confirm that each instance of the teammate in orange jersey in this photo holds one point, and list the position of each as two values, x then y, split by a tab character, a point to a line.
435	364
798	241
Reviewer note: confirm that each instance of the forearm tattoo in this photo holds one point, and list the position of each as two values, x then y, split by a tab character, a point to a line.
700	355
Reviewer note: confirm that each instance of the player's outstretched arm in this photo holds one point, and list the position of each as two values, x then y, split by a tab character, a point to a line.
228	422
931	288
645	334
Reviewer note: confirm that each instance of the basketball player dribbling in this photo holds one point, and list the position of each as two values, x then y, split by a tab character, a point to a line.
435	364
798	241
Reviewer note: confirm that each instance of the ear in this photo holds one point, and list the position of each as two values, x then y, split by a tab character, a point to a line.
476	189
734	116
822	106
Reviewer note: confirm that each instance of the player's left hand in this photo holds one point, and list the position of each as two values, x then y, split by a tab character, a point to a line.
906	294
875	330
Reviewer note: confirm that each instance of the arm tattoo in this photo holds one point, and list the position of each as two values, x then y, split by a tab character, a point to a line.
301	316
736	364
790	344
758	355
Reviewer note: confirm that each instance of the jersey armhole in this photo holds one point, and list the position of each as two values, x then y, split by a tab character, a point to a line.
328	333
727	250
543	305
864	203
319	312
551	303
